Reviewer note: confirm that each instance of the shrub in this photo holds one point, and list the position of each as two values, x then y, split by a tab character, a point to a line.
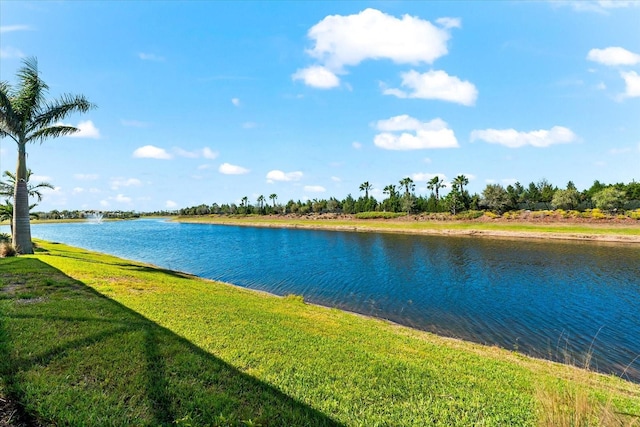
7	250
379	215
634	214
5	238
471	214
491	215
597	214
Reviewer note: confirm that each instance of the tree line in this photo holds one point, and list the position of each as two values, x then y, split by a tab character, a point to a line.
402	198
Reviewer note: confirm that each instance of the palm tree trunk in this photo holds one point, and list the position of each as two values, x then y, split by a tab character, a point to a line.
21	224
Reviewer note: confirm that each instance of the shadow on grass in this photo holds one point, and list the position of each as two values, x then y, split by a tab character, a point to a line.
71	356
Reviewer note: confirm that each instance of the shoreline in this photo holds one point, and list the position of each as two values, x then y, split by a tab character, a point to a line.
428	229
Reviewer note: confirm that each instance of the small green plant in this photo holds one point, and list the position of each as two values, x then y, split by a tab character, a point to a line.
634	214
5	238
491	215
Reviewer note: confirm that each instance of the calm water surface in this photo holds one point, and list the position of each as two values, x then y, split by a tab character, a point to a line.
555	300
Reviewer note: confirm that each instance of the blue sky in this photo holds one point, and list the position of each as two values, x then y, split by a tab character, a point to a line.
202	102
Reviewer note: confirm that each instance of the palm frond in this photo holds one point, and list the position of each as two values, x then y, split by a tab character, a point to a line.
57	110
30	93
9	120
51	132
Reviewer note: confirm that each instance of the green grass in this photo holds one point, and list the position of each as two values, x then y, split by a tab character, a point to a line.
586	229
90	339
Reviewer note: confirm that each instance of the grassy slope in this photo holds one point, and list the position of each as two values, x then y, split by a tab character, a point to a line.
89	339
438	226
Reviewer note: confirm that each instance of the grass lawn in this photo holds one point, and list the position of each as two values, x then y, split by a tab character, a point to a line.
393	225
90	339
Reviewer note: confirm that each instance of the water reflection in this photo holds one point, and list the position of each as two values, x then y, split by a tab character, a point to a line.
547	299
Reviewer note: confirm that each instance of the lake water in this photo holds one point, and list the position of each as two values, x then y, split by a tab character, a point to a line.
555	300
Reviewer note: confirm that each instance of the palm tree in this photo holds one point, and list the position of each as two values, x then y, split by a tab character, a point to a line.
25	116
435	184
390	190
261	200
365	186
460	181
7	188
408	185
273	198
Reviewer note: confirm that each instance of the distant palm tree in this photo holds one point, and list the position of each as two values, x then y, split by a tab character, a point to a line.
460	181
408	185
273	198
390	190
366	187
435	184
7	188
6	213
26	116
261	200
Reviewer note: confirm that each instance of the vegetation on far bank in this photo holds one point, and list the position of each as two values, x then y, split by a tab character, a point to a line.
90	339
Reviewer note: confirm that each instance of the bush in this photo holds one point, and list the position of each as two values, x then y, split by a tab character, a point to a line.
634	214
5	238
491	215
469	214
379	215
7	250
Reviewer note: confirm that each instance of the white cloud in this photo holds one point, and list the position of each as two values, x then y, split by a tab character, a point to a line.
229	169
249	125
151	152
599	6
120	198
314	188
184	153
235	101
86	176
86	129
613	56
204	167
77	190
150	57
208	153
11	52
407	133
335	179
104	203
426	160
11	28
356	145
420	176
170	204
317	76
371	34
40	178
616	151
124	182
449	22
513	139
278	175
509	181
632	84
436	85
